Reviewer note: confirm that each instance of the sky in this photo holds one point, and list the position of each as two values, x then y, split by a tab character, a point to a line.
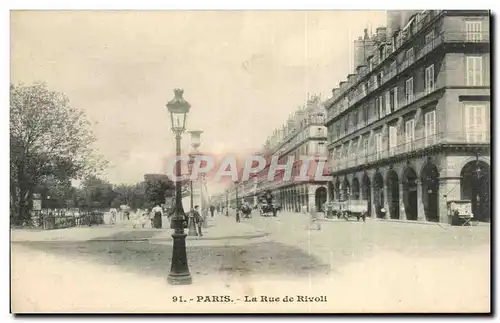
243	72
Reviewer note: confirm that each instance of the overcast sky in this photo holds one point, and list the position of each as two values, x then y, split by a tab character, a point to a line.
242	72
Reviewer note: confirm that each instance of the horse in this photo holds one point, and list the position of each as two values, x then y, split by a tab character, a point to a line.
246	210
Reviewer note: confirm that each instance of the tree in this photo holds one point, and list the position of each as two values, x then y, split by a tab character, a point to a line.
48	138
132	195
158	187
96	192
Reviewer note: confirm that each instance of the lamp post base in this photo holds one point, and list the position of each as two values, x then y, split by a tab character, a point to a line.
179	272
180	279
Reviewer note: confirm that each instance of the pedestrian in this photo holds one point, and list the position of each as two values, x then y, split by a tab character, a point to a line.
212	210
157	213
313	224
113	212
198	220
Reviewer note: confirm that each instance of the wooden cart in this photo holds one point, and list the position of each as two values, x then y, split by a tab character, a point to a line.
460	212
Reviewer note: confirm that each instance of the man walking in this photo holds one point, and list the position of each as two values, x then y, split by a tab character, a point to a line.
198	220
157	213
212	210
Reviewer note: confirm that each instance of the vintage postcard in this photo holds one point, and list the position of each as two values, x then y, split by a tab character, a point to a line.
250	161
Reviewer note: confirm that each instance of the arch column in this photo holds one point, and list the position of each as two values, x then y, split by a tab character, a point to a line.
311	201
402	212
449	188
386	191
373	210
420	202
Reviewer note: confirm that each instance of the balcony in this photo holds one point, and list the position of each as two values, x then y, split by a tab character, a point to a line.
477	137
466	37
444	37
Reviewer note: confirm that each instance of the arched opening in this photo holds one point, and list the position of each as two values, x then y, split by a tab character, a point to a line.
320	198
430	192
393	198
410	194
331	191
355	189
378	190
475	186
346	189
366	193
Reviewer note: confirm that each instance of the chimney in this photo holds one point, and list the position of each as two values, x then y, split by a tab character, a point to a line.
350	79
366	37
381	34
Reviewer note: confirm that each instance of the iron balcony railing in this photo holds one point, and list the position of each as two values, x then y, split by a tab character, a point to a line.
403	147
444	37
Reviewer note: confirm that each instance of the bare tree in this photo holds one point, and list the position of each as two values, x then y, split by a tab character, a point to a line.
47	138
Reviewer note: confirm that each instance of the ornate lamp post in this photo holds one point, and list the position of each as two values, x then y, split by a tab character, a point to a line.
227	202
195	144
191	225
179	272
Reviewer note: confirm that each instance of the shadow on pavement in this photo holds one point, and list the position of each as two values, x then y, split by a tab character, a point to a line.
269	258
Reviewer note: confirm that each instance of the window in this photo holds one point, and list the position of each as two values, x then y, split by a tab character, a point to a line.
346	103
388	102
365	89
365	114
475	123
370	64
409	54
409	91
380	106
429	37
378	144
429	79
380	77
365	145
321	148
430	127
392	67
473	31
393	138
395	99
474	70
409	134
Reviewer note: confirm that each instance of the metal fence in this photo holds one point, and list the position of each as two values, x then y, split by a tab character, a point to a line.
50	219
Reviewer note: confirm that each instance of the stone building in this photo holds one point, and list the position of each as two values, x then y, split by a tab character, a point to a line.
410	130
304	134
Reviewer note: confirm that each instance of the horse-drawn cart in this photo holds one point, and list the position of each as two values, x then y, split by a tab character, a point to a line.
349	209
460	212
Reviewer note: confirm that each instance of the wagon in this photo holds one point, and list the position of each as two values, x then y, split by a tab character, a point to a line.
350	209
460	212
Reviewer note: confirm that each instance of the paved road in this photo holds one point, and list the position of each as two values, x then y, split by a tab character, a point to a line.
360	267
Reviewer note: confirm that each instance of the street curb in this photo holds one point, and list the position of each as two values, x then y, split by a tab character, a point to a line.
204	238
405	221
244	237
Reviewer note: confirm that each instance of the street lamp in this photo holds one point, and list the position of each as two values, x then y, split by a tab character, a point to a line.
191	225
227	202
195	144
179	272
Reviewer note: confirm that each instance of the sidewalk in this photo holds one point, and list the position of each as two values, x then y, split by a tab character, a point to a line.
220	227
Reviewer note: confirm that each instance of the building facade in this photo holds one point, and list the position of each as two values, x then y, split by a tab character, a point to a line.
304	134
410	130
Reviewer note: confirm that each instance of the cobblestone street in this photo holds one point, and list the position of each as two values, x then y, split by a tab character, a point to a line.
372	266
